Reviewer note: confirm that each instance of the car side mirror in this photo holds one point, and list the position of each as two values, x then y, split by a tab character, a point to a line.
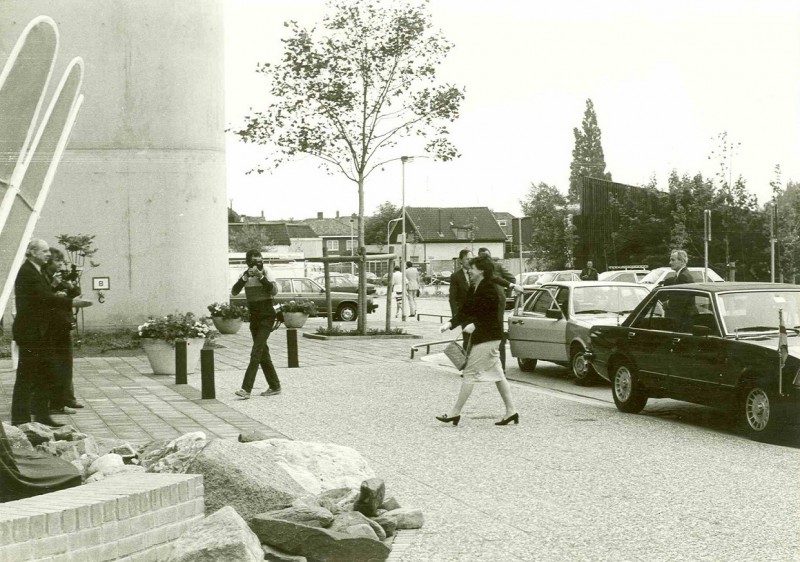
553	314
701	331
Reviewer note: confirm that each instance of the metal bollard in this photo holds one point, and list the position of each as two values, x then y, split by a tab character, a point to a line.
291	347
180	361
207	374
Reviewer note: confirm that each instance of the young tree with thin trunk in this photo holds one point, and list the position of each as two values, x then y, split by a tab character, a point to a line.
348	91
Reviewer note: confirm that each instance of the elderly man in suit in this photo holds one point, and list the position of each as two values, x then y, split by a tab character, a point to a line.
677	261
37	305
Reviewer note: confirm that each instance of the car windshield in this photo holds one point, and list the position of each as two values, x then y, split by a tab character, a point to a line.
756	311
530	278
600	299
653	276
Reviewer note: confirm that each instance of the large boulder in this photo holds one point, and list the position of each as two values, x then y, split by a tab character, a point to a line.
17	438
243	477
313	516
403	518
37	433
316	543
223	535
370	497
173	456
346	521
318	466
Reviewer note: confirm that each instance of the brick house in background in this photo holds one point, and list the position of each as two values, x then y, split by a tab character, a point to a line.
436	235
505	221
339	234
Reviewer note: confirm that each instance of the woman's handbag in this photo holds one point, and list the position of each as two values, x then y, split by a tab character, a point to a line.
457	355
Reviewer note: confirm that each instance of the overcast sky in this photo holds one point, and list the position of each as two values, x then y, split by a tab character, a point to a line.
665	78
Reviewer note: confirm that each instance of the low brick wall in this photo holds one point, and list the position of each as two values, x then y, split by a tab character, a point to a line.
132	517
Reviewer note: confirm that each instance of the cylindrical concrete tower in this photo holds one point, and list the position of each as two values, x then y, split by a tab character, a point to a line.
144	170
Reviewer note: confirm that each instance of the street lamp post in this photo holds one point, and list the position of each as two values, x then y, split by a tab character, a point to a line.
403	160
352	218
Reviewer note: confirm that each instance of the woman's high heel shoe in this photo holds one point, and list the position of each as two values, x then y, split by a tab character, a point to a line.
445	419
509	419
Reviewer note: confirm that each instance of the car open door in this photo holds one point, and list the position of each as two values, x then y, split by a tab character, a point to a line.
536	330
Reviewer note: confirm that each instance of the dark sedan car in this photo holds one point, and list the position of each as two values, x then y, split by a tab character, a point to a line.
708	343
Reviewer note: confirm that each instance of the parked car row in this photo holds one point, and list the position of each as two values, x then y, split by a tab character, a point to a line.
344	305
714	343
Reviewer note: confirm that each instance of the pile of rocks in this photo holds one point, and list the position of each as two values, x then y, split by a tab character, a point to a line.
272	499
95	459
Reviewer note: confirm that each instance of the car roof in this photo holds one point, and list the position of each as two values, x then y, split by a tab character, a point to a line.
592	284
732	286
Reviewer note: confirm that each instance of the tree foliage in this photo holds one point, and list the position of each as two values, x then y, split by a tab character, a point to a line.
348	91
246	237
549	244
375	229
587	156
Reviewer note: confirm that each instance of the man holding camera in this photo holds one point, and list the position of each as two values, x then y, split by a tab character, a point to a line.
259	287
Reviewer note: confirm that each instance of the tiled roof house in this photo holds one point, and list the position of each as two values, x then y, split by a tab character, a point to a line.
436	234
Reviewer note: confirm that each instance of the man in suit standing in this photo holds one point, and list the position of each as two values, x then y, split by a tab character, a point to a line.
503	280
36	305
589	273
459	282
677	261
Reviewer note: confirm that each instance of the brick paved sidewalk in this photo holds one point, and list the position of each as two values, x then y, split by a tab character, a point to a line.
124	400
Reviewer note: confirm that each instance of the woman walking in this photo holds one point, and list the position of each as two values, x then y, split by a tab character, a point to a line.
478	317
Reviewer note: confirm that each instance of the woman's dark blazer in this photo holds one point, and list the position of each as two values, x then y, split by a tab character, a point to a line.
480	309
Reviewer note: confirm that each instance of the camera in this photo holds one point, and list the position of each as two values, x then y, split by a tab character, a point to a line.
258	264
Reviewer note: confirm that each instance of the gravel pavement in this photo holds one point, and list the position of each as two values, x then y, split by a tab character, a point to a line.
576	480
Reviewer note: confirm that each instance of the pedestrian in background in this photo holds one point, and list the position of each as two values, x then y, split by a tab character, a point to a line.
62	396
397	289
503	282
412	287
589	273
478	317
259	287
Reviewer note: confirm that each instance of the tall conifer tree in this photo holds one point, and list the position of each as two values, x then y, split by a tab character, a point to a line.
587	156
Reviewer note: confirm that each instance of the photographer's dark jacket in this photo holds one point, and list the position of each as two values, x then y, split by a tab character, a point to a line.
259	293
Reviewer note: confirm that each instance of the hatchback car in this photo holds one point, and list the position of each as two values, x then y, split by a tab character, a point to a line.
552	322
344	305
715	344
657	276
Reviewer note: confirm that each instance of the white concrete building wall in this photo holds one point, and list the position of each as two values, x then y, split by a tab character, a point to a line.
145	167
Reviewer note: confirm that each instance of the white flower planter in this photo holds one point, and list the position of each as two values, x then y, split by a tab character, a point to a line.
162	355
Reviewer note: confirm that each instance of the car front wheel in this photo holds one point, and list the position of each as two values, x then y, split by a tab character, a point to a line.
526	365
626	389
757	415
583	372
347	312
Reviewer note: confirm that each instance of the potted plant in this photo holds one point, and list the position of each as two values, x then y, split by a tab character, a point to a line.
228	318
158	337
295	313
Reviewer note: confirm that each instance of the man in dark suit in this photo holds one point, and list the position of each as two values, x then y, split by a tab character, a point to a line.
677	261
680	307
589	273
36	303
502	280
459	282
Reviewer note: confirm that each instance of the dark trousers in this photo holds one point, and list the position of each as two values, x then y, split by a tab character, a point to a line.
259	355
33	383
60	357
